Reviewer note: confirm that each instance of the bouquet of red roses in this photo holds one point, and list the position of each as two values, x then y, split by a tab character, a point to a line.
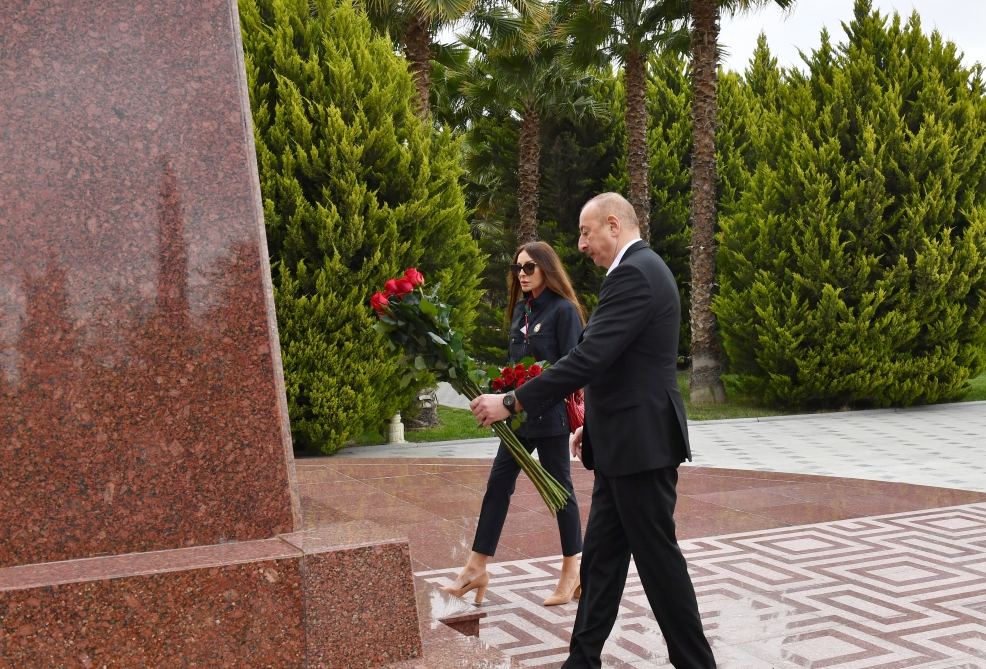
513	377
417	325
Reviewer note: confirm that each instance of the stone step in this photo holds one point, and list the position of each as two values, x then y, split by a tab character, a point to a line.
450	634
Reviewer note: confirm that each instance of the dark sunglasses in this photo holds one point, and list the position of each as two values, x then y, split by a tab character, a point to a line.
528	268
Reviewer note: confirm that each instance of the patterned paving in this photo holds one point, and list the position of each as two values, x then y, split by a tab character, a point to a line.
886	592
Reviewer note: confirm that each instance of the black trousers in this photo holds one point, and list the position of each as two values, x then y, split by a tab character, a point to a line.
554	456
634	515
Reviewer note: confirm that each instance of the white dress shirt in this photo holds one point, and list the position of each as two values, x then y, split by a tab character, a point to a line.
619	256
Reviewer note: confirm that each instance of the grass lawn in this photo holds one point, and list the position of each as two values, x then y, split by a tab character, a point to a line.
977	391
453	424
736	405
460	424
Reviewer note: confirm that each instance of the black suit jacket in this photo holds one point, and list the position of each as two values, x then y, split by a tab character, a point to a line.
626	360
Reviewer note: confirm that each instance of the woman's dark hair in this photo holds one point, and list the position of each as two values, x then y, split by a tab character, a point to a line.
556	278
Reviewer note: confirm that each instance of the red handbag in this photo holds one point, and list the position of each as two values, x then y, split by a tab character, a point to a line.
575	406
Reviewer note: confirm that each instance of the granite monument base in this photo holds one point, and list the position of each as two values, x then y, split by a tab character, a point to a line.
297	600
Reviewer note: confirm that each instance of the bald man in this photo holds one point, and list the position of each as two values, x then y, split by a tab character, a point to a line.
635	436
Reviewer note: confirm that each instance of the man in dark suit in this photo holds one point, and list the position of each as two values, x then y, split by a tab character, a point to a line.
635	436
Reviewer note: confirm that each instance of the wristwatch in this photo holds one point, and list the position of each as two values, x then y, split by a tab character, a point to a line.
510	402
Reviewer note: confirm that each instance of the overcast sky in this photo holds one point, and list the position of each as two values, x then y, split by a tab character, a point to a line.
960	21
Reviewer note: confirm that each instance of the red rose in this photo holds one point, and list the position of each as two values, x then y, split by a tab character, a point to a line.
520	370
403	287
496	385
521	381
534	370
390	287
379	302
414	276
507	374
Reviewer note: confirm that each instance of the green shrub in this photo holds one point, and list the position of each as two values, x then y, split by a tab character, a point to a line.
853	269
355	188
669	140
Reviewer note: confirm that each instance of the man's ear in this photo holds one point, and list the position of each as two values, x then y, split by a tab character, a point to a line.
613	223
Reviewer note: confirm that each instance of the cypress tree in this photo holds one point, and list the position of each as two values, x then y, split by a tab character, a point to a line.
853	271
669	145
355	188
747	134
669	140
578	157
490	182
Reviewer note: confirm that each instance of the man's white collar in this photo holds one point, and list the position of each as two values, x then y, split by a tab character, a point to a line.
619	256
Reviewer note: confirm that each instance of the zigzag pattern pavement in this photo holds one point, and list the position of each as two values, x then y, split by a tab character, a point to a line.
888	592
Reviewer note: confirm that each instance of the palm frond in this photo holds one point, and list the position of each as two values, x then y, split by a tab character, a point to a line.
445	10
678	39
734	7
586	28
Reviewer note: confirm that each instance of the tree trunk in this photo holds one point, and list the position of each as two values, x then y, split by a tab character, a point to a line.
417	46
706	384
529	173
637	154
425	410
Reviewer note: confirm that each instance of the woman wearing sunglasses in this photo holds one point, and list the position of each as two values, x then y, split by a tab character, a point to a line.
546	320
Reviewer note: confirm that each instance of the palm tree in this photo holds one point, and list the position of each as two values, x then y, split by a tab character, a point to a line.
413	24
706	382
524	75
627	31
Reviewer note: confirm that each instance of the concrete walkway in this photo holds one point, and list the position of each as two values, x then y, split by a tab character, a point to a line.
942	445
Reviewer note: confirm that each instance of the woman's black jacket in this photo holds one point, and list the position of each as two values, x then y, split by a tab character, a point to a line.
552	330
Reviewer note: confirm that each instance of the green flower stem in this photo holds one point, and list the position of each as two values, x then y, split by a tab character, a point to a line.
419	324
552	492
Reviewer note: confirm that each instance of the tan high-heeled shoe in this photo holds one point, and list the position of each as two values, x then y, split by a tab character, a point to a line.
478	583
564	597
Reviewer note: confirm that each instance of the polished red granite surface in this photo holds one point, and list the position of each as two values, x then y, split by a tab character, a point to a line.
241	608
141	399
148	506
338	596
359	596
436	502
